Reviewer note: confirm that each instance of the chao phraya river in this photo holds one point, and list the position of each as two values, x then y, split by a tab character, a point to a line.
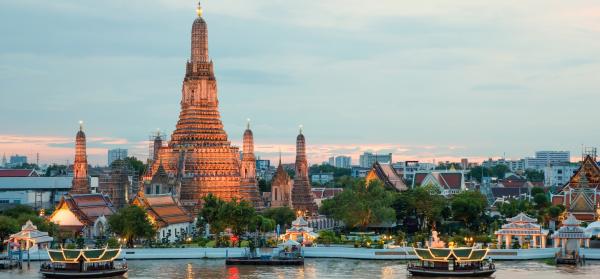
319	268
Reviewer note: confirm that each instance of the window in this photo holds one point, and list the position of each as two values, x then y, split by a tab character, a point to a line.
4	201
148	190
17	201
157	191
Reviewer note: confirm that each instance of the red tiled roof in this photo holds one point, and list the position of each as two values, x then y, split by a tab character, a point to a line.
164	209
17	173
326	193
419	177
451	180
88	207
514	183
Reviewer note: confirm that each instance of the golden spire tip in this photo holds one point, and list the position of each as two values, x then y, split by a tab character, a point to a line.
199	10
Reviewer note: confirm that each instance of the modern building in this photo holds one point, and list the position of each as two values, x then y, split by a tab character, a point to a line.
358	172
331	161
116	154
344	162
408	169
322	178
37	192
367	159
559	174
544	158
17	160
513	165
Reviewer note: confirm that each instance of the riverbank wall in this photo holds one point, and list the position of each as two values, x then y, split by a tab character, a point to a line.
402	253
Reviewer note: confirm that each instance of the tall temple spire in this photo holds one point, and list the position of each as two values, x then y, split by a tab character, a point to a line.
81	183
249	184
199	10
302	198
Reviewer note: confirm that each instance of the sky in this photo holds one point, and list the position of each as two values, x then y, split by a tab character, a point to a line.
426	80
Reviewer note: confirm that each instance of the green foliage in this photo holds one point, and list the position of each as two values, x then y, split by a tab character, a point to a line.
537	190
263	224
555	211
424	202
264	186
498	171
327	237
8	226
56	170
325	168
239	216
282	215
362	205
534	175
131	223
468	207
18	210
541	200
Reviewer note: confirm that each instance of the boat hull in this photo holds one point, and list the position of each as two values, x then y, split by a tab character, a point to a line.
448	273
244	261
86	274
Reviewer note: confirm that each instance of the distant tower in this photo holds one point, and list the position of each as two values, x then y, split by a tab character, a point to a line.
249	185
4	160
157	145
81	182
302	198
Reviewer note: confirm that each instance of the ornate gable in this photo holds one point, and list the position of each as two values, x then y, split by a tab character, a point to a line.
590	170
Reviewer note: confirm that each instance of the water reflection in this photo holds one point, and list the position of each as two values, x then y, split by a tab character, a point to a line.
318	268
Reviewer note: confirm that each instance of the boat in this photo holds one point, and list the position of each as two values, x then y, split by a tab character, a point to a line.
289	254
83	263
451	262
437	260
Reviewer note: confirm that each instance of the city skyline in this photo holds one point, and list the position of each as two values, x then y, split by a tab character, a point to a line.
126	84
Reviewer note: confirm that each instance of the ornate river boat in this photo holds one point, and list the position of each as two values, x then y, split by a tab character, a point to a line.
451	262
83	263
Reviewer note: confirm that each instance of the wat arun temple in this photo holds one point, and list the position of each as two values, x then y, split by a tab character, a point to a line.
199	157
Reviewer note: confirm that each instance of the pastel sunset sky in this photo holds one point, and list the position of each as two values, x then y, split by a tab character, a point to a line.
421	79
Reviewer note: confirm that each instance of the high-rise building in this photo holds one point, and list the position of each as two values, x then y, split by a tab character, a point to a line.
81	181
199	152
368	159
544	158
302	198
331	161
344	162
116	154
17	160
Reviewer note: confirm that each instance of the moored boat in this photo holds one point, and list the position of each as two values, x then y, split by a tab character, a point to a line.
452	262
290	254
83	263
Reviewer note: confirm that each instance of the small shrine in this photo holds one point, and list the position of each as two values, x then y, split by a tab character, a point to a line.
570	237
525	229
300	232
31	238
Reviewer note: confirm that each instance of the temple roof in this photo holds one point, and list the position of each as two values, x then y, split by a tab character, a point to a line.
18	173
571	229
163	209
86	207
386	174
521	218
30	232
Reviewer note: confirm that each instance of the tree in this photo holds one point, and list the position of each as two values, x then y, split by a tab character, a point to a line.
131	223
236	215
468	207
425	203
541	200
282	215
210	211
8	226
327	237
362	205
534	175
263	224
264	186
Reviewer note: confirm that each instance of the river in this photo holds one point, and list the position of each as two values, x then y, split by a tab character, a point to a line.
319	268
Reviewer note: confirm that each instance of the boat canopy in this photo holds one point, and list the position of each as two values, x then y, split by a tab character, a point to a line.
444	254
86	255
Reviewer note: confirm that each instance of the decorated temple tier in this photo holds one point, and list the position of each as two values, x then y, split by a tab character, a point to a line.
83	263
454	262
